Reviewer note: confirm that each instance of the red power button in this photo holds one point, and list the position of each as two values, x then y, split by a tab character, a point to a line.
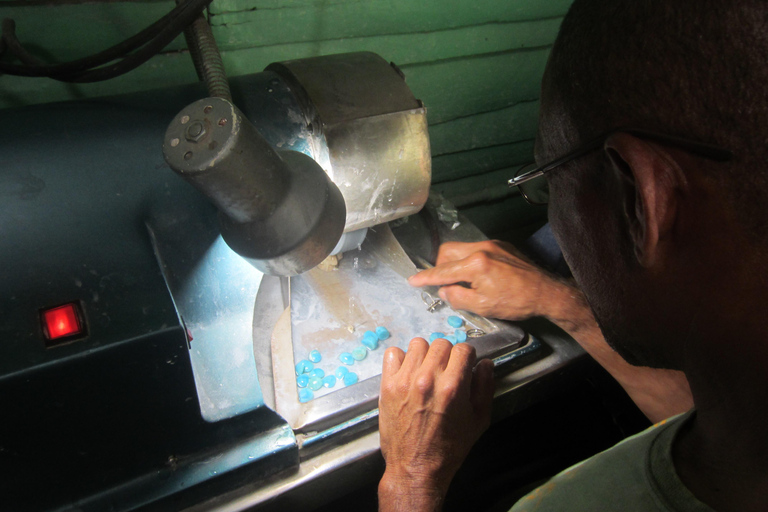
62	322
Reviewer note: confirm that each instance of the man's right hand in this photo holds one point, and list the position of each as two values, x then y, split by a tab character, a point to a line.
503	283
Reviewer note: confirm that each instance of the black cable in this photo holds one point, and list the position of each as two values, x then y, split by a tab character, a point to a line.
15	47
149	50
108	55
151	41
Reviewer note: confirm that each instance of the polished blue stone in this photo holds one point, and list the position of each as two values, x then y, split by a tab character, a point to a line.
346	358
359	353
317	372
329	381
382	333
435	335
302	381
304	366
455	321
341	371
350	378
315	356
370	340
461	336
315	383
305	395
451	338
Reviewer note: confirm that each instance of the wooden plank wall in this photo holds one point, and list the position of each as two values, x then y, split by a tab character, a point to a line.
476	65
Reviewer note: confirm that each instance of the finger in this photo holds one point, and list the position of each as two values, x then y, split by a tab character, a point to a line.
462	298
453	251
393	360
460	366
417	350
446	273
436	359
481	394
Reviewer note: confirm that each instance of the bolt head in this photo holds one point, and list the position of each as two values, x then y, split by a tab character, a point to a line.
195	131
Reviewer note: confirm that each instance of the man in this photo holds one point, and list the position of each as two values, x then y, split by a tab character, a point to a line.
659	207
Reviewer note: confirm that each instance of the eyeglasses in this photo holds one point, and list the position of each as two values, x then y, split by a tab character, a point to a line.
535	189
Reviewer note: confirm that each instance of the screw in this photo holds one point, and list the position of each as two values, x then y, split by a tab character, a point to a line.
195	131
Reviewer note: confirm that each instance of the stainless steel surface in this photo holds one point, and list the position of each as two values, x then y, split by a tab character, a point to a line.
318	473
206	278
323	467
382	166
368	131
279	210
330	311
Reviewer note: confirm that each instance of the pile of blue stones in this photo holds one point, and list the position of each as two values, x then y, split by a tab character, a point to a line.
458	336
310	379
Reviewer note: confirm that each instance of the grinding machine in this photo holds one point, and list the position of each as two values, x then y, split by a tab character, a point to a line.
187	304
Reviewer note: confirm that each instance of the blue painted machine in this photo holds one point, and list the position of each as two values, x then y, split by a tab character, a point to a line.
148	361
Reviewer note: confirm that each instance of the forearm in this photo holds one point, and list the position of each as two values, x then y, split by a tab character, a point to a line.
659	394
399	495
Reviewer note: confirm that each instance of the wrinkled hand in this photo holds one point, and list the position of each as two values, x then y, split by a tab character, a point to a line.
503	283
432	409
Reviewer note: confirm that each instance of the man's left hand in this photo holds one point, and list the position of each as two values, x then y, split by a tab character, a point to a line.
432	408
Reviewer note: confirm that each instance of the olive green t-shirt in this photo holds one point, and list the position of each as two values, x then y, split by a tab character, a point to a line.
635	475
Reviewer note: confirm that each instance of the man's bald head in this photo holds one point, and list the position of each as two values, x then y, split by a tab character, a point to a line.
693	68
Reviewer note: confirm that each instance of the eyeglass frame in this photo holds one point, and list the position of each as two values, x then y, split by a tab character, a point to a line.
708	151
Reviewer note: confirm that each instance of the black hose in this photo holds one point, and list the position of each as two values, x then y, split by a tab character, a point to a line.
151	41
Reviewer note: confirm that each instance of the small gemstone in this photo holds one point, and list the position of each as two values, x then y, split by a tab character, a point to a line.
350	378
315	383
359	353
305	395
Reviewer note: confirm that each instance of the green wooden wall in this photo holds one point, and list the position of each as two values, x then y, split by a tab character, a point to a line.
475	64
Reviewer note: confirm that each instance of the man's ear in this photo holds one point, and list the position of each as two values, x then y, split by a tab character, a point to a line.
647	178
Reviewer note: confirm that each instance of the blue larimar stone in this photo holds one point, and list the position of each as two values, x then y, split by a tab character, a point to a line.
451	338
317	372
359	353
435	335
329	381
370	340
382	333
341	371
305	395
304	366
346	358
350	378
315	356
455	321
315	383
302	381
461	336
